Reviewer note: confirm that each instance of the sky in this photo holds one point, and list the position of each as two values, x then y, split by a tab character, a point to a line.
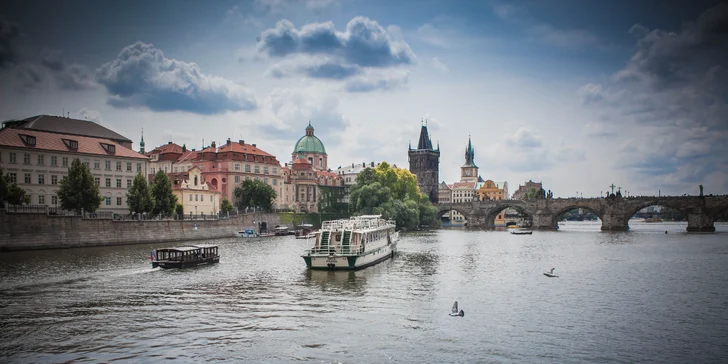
577	95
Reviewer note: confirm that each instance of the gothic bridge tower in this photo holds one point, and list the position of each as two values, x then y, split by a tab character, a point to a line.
424	162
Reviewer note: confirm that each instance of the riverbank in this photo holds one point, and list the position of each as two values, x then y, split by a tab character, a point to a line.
33	231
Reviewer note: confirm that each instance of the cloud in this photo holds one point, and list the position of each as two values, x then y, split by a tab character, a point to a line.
525	138
8	36
277	7
142	75
433	35
674	89
439	65
376	81
364	43
543	32
89	114
72	76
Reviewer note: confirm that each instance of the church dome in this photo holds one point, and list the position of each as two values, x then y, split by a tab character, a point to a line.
309	143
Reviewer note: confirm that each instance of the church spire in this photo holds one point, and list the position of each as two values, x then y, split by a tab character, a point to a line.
424	142
470	154
141	143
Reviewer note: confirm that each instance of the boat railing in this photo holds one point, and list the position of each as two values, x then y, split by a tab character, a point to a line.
355	224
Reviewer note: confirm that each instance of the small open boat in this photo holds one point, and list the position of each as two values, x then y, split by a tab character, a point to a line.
185	256
247	233
520	231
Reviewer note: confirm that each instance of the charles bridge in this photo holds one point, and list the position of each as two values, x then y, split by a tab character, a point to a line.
614	212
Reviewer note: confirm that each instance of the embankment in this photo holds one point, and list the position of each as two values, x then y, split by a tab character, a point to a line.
40	231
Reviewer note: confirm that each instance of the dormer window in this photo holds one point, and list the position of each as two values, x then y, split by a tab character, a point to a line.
28	140
109	148
71	144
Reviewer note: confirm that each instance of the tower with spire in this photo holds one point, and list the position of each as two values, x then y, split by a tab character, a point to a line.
141	143
469	171
424	162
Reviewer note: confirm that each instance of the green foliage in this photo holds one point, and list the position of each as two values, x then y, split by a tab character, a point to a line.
10	192
78	189
139	197
393	193
179	210
331	200
164	200
255	193
226	206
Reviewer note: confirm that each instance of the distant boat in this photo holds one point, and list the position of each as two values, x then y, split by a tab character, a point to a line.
455	312
551	274
247	233
185	256
520	231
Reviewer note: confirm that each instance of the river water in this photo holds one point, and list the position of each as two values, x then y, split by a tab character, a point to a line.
636	297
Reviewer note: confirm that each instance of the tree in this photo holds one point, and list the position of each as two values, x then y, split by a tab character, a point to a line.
179	210
164	200
226	206
255	193
139	197
10	192
393	193
78	190
331	200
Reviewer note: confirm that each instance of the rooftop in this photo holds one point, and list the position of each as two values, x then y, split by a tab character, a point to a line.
58	124
48	141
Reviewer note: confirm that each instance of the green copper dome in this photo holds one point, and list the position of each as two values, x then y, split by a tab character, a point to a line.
309	143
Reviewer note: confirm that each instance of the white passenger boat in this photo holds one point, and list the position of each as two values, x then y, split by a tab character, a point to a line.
352	243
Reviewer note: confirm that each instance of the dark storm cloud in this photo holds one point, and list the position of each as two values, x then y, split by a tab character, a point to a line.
364	43
8	36
68	76
142	76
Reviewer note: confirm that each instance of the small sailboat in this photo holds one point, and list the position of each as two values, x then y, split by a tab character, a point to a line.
551	273
455	312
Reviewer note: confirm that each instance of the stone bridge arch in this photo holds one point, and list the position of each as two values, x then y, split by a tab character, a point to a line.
560	211
463	210
496	207
636	206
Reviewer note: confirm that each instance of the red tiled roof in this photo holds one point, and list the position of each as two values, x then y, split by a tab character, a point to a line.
326	174
243	148
10	137
301	161
167	148
464	184
188	155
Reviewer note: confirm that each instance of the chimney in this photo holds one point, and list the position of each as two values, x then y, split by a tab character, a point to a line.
193	149
213	144
168	143
372	164
254	145
242	142
229	142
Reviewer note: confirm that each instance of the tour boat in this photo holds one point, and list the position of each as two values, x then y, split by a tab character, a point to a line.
520	231
185	256
247	233
352	243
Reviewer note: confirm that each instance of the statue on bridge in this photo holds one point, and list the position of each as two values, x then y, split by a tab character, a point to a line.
549	195
701	190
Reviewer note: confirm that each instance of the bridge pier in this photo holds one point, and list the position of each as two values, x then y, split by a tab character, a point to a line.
544	221
700	223
614	221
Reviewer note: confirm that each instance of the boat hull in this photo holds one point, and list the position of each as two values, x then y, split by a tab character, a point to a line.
183	264
350	262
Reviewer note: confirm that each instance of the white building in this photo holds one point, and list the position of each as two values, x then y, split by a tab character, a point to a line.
37	160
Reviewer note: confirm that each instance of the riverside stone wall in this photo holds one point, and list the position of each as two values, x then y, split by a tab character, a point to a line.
40	231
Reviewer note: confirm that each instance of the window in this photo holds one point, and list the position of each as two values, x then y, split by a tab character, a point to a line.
97	180
265	180
128	166
139	168
54	179
257	169
54	161
196	197
237	179
107	165
247	168
153	171
108	182
41	199
275	182
26	158
195	180
275	170
13	177
118	201
111	148
27	178
64	162
128	183
97	164
118	183
265	170
86	163
72	144
118	166
41	159
13	158
41	179
108	201
237	166
190	197
54	200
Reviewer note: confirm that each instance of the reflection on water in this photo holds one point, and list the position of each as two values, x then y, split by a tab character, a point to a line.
619	298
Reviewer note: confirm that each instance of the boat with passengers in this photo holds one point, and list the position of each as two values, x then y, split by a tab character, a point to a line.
185	256
353	243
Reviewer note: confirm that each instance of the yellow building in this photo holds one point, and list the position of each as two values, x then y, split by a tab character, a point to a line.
195	196
494	191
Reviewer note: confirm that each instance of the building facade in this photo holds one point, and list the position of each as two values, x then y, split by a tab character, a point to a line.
528	187
424	162
37	160
194	194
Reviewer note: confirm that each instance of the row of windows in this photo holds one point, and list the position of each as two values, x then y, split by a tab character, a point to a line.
273	181
13	159
41	200
41	179
200	197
